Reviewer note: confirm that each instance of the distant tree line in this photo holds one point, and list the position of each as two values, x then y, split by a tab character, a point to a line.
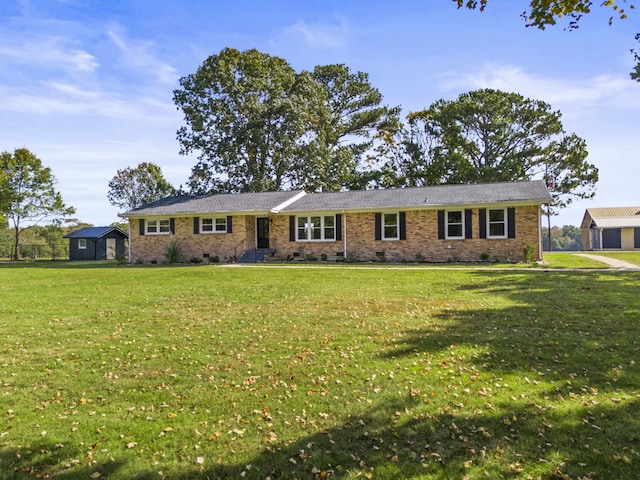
563	239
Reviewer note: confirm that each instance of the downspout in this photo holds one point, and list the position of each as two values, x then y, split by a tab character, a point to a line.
540	235
129	243
344	235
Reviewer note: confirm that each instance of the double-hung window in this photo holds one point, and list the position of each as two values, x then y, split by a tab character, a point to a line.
82	243
158	226
390	226
455	225
497	223
316	228
213	225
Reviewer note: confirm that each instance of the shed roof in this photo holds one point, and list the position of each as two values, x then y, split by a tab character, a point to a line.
612	217
93	232
534	192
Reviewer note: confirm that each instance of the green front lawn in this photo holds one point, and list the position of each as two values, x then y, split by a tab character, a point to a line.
278	372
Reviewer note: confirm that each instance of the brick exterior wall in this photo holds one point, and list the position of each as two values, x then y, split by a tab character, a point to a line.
147	247
421	240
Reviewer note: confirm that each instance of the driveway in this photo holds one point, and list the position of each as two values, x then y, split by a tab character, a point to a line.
612	262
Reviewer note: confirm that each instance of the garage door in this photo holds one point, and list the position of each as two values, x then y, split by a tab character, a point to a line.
611	238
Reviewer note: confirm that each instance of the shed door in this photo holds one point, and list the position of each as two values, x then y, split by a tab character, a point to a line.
611	238
111	248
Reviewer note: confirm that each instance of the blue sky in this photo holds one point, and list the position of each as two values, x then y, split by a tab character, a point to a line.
87	85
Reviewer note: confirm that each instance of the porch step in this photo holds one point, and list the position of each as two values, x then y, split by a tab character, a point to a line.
256	255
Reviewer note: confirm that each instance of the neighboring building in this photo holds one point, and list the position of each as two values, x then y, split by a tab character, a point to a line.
96	243
434	224
616	228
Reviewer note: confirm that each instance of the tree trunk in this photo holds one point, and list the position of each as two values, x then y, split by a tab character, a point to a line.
16	242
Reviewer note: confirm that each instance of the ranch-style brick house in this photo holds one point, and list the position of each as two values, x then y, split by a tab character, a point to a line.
496	221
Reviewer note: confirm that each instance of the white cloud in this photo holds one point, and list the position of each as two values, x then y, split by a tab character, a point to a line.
139	55
583	93
49	52
318	36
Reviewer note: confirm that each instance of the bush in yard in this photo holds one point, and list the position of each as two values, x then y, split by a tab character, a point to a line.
173	253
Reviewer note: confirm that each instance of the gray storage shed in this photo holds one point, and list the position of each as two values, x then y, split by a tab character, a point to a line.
96	243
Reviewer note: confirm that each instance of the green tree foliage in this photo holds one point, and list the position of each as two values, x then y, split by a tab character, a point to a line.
543	13
29	192
491	136
352	116
133	187
246	113
563	239
258	125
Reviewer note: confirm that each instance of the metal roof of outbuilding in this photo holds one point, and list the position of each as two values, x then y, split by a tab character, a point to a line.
611	217
93	232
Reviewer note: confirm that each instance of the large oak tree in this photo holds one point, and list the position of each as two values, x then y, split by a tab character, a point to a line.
491	136
245	114
256	124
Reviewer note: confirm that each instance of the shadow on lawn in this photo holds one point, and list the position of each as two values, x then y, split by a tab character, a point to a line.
574	334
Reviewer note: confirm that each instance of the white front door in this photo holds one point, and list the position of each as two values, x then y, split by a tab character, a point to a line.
111	248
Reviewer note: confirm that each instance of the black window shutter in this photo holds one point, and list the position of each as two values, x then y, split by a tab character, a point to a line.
468	225
440	224
482	218
338	227
196	225
378	226
403	225
172	225
511	222
292	228
141	226
229	224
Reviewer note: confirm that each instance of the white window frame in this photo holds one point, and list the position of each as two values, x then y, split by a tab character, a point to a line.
384	226
503	222
82	244
159	223
309	228
218	225
447	223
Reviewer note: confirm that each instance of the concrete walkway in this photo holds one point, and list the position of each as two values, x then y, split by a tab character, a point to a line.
612	262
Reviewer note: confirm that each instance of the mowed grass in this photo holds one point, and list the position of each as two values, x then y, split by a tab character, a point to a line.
278	372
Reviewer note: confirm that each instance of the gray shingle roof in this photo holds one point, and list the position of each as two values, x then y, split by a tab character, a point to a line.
534	192
93	232
221	203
